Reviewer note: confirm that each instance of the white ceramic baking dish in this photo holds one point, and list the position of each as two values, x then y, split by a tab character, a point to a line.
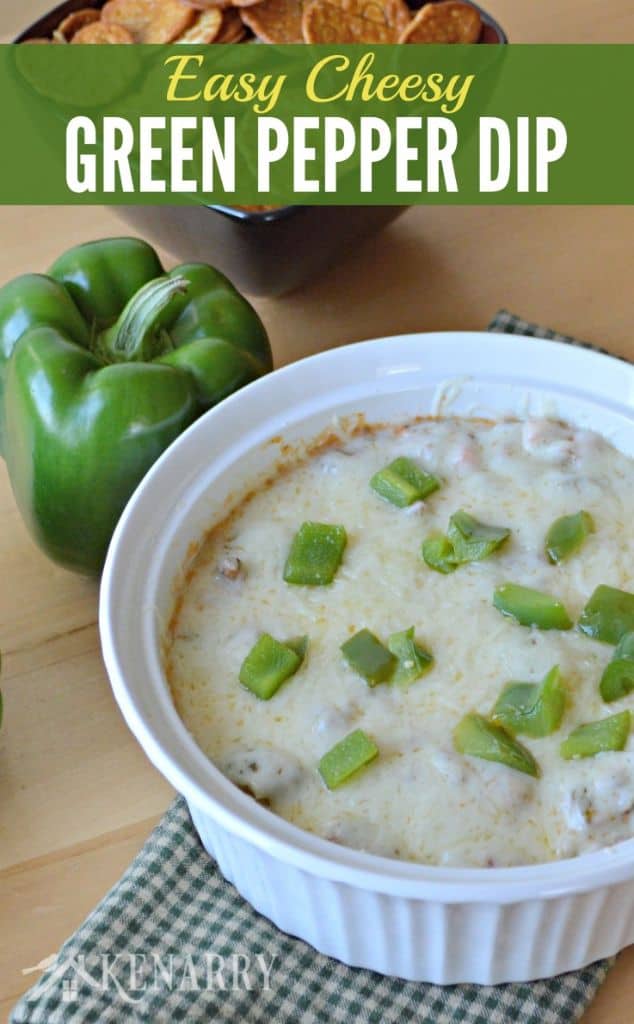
435	924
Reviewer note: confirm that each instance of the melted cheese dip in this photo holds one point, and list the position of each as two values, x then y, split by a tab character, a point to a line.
420	800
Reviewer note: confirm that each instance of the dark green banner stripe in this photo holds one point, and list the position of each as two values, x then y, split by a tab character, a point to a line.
382	125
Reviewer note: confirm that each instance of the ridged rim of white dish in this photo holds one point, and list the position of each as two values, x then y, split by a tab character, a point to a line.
599	379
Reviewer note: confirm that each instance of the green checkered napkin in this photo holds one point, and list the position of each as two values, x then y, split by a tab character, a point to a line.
161	945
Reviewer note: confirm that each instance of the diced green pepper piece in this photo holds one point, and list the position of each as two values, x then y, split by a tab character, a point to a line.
567	534
365	653
347	757
315	555
618	678
476	736
439	554
534	709
608	615
595	737
267	665
299	644
413	660
468	540
472	540
531	607
403	482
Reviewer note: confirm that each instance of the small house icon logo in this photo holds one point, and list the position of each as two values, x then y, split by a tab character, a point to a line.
69	971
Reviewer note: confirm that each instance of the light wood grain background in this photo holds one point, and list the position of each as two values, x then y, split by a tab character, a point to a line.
77	797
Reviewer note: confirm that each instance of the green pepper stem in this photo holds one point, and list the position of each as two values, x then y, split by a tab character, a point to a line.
138	334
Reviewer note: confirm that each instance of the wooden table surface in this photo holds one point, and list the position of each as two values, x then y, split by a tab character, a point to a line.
77	796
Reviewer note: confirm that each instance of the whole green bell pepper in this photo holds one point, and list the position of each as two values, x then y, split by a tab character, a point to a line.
103	363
